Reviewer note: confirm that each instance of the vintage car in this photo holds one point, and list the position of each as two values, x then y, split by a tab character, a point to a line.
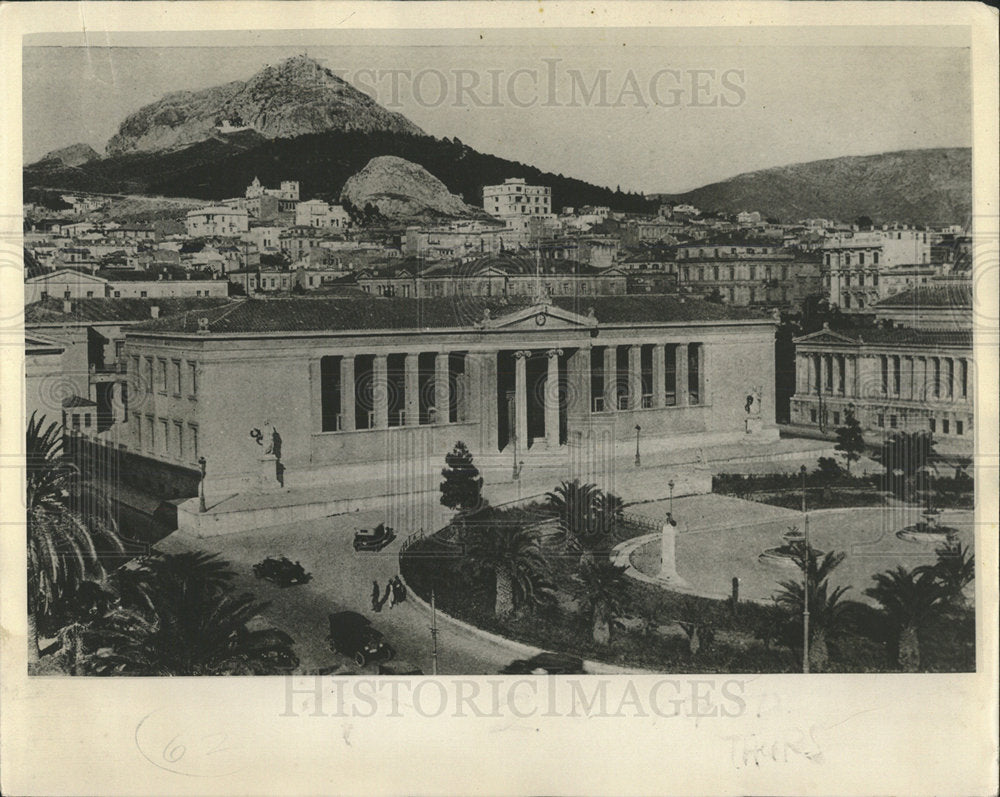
375	539
546	664
281	571
353	635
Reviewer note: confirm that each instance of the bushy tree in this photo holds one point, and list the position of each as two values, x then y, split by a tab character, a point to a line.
954	570
590	515
850	440
462	488
909	599
826	606
602	589
512	557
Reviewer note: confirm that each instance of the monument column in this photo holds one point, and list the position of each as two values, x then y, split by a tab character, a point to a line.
347	393
659	367
681	375
635	377
442	388
907	386
552	399
521	398
486	372
380	392
411	377
610	378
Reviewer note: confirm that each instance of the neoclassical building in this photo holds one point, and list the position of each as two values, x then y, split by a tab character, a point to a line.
895	379
298	393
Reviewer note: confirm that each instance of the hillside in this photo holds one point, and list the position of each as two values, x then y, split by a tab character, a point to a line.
73	155
224	165
917	186
294	97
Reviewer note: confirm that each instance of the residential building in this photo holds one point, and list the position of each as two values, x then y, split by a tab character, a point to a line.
216	221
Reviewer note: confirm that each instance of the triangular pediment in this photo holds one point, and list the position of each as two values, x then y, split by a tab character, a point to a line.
63	273
540	315
827	336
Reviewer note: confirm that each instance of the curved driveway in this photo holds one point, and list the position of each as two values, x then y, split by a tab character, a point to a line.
342	580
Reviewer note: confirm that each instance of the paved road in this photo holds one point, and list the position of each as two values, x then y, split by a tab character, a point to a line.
342	580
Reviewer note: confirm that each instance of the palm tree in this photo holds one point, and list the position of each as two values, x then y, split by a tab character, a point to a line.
909	599
180	617
591	516
954	570
826	607
602	590
512	556
63	542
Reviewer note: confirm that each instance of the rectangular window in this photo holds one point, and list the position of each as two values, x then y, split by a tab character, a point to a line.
86	420
164	438
892	421
932	424
149	374
161	375
176	376
179	439
812	416
945	426
881	420
138	433
193	437
192	368
959	427
150	434
836	418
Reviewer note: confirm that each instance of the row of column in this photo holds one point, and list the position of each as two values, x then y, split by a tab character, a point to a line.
634	381
380	390
903	376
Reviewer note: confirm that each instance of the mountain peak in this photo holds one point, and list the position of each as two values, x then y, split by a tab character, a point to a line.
292	98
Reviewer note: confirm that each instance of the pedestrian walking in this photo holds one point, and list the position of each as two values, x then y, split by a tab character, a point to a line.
376	593
388	596
398	589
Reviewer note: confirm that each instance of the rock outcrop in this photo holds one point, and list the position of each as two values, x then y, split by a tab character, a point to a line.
73	155
404	191
296	97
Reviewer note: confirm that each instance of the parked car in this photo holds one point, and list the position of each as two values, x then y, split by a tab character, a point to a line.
374	540
353	635
546	664
281	571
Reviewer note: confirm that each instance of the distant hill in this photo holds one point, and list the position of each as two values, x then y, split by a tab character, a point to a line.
73	155
223	166
297	96
920	186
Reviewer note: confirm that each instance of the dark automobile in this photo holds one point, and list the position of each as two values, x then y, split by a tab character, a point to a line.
352	635
546	664
281	571
374	540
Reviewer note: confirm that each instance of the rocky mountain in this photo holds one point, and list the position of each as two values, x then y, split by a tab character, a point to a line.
922	186
73	155
295	97
224	165
404	191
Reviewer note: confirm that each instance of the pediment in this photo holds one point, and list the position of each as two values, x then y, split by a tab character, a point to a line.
827	336
539	316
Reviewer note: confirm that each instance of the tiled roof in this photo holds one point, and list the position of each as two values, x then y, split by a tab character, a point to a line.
50	311
956	295
308	314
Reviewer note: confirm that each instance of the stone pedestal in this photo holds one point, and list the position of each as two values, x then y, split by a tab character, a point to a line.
267	474
668	556
754	425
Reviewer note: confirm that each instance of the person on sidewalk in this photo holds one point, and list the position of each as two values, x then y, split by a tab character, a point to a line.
388	597
376	593
398	590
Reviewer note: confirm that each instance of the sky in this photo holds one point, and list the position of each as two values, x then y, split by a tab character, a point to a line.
648	113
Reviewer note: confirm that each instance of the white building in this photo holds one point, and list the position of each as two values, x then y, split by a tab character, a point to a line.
216	221
516	198
317	213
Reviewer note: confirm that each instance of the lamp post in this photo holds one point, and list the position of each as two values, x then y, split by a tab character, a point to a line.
638	461
805	592
670	484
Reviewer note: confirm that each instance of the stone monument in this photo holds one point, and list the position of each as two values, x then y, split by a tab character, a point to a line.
668	554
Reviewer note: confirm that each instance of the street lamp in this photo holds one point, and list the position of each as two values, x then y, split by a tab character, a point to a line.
638	461
670	484
805	592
